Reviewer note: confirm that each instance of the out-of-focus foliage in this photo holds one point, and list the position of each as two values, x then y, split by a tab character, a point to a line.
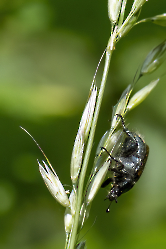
48	54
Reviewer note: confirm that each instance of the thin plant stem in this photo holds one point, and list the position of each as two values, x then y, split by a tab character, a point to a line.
73	236
122	13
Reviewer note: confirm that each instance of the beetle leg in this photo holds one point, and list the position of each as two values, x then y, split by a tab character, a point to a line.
113	158
119	166
129	133
106	182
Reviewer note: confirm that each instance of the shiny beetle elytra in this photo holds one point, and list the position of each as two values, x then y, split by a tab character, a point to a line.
130	160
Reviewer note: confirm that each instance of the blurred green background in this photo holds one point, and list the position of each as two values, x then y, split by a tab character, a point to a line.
49	51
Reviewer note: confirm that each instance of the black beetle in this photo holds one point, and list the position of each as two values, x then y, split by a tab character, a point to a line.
130	160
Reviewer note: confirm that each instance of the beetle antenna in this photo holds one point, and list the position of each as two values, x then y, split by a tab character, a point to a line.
108	209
